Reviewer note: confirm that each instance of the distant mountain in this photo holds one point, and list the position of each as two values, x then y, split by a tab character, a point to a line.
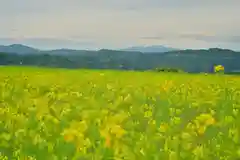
22	49
192	61
50	43
150	49
18	48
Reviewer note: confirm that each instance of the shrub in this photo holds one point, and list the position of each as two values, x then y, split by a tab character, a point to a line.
173	70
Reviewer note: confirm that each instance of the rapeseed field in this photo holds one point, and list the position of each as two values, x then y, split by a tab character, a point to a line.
59	114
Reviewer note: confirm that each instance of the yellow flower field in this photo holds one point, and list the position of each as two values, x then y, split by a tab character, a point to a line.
59	114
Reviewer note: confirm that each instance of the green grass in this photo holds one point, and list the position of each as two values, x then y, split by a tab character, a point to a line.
95	114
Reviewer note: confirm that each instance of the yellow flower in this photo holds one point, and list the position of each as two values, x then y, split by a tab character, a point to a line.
210	121
68	137
185	135
148	114
167	85
105	134
201	130
118	131
206	119
163	127
218	68
108	142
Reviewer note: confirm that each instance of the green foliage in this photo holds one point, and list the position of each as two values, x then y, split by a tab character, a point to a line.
191	61
92	114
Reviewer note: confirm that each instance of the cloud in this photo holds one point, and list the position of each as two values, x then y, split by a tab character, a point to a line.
15	7
212	38
153	37
122	22
198	37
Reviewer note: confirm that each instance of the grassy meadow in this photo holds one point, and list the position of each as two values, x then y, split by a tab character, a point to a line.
60	114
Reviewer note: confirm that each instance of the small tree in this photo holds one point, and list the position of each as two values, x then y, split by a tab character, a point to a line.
219	69
172	70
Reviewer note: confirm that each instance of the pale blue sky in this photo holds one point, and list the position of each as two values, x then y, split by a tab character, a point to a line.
121	23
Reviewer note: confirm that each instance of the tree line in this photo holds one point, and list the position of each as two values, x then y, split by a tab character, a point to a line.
192	61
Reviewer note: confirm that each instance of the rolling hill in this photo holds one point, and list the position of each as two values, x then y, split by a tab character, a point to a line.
193	61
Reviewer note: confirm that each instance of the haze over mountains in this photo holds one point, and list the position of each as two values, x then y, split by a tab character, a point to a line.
152	49
22	49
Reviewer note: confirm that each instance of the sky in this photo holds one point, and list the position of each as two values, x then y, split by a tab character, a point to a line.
88	24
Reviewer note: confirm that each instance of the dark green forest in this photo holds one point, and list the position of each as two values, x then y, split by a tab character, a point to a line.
192	61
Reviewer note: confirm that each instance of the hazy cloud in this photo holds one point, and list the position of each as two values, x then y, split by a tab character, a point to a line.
198	37
212	38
